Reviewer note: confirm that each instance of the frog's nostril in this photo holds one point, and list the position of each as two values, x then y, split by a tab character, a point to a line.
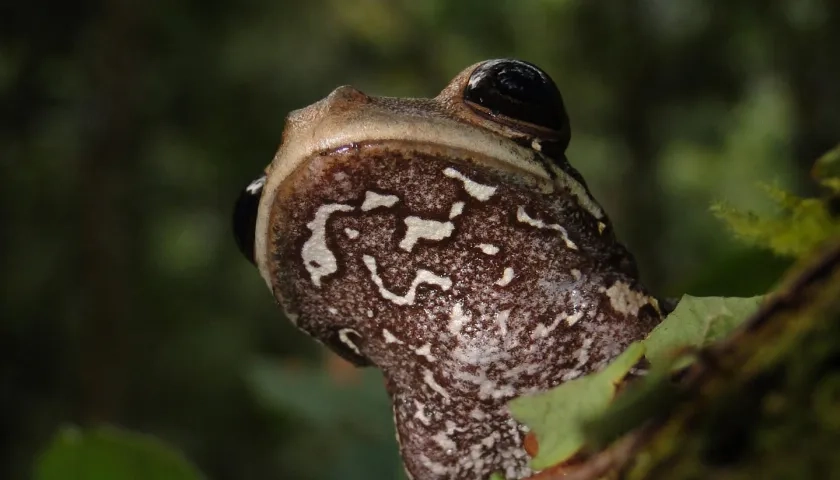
245	217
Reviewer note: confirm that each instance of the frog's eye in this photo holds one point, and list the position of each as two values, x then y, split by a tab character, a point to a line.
245	217
519	91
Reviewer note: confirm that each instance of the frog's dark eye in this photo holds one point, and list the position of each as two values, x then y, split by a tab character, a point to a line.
519	91
245	217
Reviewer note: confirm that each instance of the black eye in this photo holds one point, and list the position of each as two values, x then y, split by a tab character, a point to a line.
245	217
517	90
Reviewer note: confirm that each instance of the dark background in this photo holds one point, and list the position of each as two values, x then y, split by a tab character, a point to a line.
127	129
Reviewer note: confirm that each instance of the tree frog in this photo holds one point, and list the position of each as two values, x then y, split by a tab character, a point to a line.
450	243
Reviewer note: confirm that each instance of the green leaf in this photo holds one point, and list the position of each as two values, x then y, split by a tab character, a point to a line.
108	453
642	399
697	321
497	476
827	169
802	225
571	416
558	416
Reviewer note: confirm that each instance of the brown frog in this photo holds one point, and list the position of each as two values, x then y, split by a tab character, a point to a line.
448	242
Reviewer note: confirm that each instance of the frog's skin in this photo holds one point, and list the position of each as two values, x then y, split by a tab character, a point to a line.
448	242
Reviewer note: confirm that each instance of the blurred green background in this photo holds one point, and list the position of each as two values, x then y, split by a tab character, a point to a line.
127	130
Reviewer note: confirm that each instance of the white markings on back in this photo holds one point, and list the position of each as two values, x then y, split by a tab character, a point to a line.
501	321
488	248
582	355
457	319
573	318
418	228
351	233
433	467
480	353
443	440
429	379
375	200
332	310
523	217
491	439
507	277
317	257
426	351
542	330
343	336
488	389
474	189
456	209
422	276
390	338
624	299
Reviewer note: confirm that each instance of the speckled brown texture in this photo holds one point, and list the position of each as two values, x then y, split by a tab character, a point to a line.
464	345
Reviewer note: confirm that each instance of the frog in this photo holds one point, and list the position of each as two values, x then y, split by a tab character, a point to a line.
449	242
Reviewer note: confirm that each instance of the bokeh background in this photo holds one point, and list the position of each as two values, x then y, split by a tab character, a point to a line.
128	128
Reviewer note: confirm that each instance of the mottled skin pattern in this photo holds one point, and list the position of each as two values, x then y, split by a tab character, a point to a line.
467	281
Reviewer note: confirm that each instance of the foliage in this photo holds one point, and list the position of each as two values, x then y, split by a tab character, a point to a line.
697	324
556	416
561	417
803	223
827	170
765	404
694	323
107	453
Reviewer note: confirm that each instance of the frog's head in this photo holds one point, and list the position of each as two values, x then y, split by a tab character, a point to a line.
448	242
